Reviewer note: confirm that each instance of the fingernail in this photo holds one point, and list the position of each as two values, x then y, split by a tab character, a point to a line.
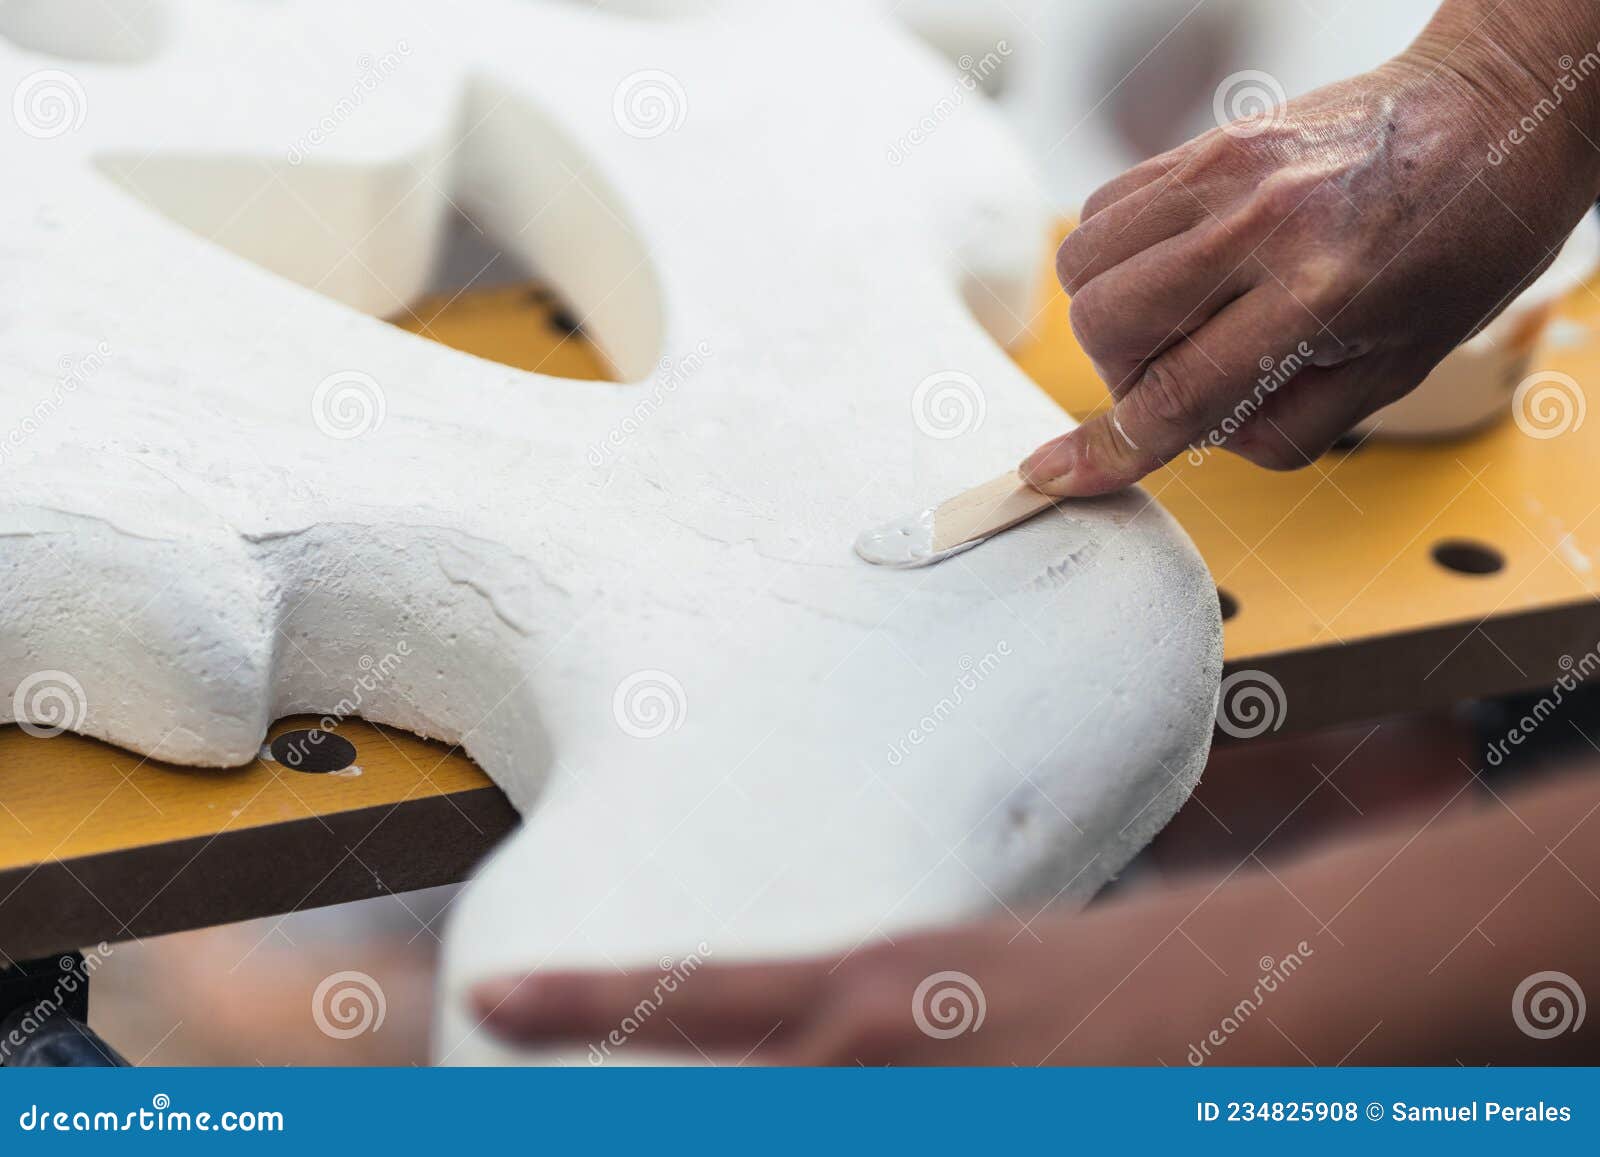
1051	465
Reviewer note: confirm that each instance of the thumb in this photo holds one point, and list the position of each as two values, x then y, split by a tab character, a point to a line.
1096	458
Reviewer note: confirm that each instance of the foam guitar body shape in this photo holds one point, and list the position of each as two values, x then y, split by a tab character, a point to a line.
231	492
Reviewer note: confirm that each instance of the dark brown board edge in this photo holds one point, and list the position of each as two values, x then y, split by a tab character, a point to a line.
1428	669
268	870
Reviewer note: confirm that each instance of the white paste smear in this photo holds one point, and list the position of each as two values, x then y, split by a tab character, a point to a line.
906	542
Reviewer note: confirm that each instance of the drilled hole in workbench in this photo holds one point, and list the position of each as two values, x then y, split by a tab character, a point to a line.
1230	605
313	750
1467	557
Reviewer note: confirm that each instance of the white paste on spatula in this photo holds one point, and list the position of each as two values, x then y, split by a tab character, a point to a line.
907	542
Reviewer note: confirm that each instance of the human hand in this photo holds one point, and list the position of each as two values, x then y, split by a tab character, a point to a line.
1267	285
1113	987
1395	947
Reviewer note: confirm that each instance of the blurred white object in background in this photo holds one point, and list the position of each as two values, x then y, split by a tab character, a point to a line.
1095	87
1476	383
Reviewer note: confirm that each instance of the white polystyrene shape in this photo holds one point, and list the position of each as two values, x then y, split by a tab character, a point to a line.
635	606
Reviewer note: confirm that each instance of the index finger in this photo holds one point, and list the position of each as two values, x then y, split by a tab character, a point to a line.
1207	384
715	1006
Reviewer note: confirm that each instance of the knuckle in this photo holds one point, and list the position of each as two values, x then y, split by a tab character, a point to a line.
1099	319
1212	247
1166	395
1098	200
1091	322
1279	197
1323	282
1225	152
1074	257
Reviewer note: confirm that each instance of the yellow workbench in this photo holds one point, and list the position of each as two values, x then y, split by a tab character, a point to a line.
1392	578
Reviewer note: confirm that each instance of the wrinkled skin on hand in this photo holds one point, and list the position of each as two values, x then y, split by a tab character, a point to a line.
1267	285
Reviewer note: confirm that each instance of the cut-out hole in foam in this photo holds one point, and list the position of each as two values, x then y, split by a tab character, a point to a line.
113	31
509	201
